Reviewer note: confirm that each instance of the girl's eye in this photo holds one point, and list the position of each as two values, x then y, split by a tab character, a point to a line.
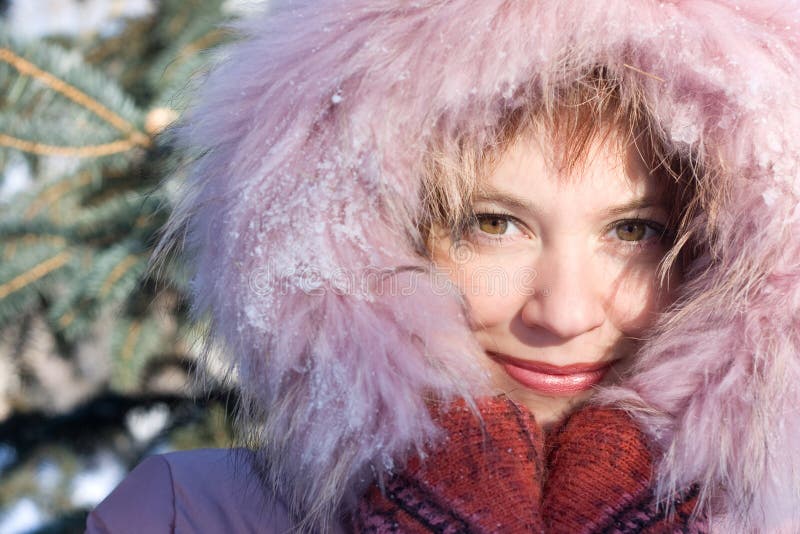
635	231
492	224
631	231
495	228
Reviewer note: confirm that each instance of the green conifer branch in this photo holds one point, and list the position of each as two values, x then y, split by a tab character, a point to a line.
56	191
78	84
27	276
11	282
135	341
70	91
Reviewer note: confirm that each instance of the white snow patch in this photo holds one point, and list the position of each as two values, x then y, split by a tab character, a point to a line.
17	178
31	19
23	516
243	7
684	128
95	483
145	423
770	195
48	476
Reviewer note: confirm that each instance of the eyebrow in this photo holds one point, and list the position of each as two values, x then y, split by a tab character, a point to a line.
633	205
493	195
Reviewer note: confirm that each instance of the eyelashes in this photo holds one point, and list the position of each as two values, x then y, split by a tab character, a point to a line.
492	228
637	234
499	228
473	228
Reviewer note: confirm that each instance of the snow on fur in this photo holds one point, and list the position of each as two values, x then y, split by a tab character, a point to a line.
312	132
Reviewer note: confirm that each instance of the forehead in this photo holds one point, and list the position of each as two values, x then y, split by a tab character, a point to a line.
610	174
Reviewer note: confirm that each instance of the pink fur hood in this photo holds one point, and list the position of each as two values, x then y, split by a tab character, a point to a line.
309	138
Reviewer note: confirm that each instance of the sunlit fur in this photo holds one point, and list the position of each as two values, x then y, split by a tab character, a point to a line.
310	139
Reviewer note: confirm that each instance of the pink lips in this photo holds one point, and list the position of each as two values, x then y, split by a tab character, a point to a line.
553	379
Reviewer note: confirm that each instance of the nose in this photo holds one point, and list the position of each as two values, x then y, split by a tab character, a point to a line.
568	299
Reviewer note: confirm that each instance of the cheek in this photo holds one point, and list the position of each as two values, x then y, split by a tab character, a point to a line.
488	311
490	289
637	300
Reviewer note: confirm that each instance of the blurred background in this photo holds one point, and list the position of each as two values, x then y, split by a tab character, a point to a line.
95	356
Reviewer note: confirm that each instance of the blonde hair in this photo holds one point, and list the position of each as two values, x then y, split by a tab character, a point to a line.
571	118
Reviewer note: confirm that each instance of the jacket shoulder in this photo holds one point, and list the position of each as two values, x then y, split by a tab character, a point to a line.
206	490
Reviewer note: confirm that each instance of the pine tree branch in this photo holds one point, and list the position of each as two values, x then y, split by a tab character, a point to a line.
208	40
66	319
42	269
91	151
130	340
117	273
28	240
25	67
50	194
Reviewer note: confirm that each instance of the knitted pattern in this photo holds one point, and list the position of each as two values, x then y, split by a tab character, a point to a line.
487	476
600	468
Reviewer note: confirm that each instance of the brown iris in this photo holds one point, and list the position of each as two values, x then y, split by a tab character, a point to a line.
493	225
631	231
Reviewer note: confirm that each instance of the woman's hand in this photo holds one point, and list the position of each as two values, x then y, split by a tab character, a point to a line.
491	475
599	479
485	476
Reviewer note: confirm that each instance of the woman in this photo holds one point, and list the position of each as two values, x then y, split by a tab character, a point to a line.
369	175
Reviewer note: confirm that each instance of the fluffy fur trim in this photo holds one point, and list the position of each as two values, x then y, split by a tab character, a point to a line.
311	134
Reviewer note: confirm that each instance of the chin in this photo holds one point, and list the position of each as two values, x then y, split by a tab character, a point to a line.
548	411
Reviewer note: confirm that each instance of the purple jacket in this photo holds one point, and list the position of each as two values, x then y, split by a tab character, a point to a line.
207	490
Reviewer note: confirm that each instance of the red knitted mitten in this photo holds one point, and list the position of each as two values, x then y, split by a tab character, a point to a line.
599	476
485	477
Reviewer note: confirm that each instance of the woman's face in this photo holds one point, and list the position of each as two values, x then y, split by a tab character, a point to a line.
560	272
